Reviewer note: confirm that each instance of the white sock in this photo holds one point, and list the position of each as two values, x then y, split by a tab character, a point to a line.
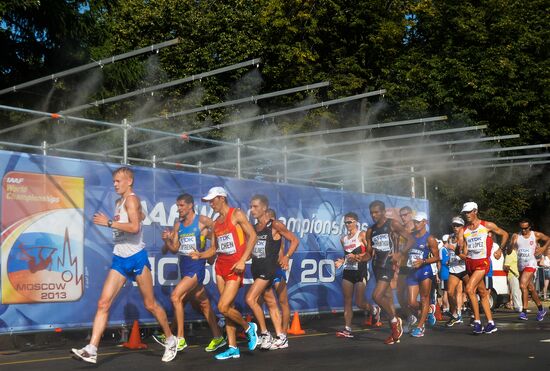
281	336
394	320
91	349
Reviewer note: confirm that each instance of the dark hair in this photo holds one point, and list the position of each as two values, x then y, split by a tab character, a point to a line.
272	212
352	215
377	203
263	199
406	208
187	198
525	220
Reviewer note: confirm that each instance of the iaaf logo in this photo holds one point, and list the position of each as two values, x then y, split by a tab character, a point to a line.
14	180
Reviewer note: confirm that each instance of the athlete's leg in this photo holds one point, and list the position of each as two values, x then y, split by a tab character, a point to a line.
282	293
403	294
256	290
111	288
425	290
202	302
360	300
452	287
533	291
412	301
274	313
471	287
228	293
347	290
179	296
382	295
484	294
145	284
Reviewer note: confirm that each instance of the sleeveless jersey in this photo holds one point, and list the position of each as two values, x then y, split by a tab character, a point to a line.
190	240
229	238
382	244
420	249
479	242
266	251
526	251
126	244
352	245
456	265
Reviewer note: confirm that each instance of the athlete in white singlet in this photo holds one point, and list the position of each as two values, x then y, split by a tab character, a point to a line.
527	248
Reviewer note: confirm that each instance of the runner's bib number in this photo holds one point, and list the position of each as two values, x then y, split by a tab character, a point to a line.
226	244
188	244
351	266
414	255
259	249
381	242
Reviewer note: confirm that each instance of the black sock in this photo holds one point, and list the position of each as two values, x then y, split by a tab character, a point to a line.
524	311
539	307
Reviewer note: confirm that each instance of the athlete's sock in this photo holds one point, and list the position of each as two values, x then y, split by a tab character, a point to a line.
539	307
491	322
281	336
91	349
477	321
171	340
459	312
524	310
394	320
348	328
265	333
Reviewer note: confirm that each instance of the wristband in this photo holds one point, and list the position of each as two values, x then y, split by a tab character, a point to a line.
110	223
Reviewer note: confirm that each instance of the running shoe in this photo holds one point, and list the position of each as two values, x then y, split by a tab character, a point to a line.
397	329
411	321
161	339
84	355
523	316
252	335
265	341
478	329
368	320
430	320
417	332
447	313
215	344
540	315
182	344
490	328
390	340
280	342
453	321
459	319
344	334
170	349
231	352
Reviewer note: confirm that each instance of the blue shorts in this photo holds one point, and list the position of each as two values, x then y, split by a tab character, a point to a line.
418	275
190	268
132	266
280	275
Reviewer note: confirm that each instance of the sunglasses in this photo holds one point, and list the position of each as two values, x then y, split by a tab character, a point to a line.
457	225
526	228
349	221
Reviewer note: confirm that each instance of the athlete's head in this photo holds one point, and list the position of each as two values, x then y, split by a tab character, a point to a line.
271	214
185	204
123	179
457	222
350	220
525	226
258	205
217	198
420	220
405	213
377	210
469	211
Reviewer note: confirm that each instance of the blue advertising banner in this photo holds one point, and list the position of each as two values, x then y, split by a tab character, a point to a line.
54	260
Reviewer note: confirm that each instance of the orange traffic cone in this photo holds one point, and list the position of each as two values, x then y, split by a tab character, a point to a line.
295	327
438	314
135	339
242	335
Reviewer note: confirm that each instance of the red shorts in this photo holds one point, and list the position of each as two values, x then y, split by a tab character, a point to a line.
223	269
529	269
477	265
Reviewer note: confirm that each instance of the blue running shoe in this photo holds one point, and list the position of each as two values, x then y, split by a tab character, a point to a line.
540	315
231	352
523	316
489	328
478	329
252	335
431	319
417	332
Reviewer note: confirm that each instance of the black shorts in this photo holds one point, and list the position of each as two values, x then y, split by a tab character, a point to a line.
460	275
355	276
404	270
445	285
384	273
263	269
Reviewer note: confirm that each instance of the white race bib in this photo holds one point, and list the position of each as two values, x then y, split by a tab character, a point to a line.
414	255
259	249
188	244
381	242
226	244
351	266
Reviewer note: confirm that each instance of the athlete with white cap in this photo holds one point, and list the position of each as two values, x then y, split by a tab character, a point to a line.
457	274
476	244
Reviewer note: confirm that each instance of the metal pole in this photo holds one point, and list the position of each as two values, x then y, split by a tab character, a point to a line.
238	158
413	193
362	175
125	141
154	163
199	166
285	164
425	189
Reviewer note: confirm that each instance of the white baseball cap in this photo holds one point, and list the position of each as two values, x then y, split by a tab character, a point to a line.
469	206
457	220
215	192
420	216
445	238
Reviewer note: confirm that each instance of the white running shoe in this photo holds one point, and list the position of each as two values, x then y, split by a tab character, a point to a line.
170	349
265	341
84	355
279	343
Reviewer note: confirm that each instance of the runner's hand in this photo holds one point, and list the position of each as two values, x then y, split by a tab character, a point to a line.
100	219
238	267
195	255
338	263
283	262
166	234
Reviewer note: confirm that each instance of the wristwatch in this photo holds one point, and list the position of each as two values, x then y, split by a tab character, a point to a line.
110	223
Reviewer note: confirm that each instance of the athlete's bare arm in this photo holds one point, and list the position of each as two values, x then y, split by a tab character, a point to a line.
340	261
171	240
289	236
239	218
501	232
399	229
432	244
363	238
133	208
461	245
546	243
368	247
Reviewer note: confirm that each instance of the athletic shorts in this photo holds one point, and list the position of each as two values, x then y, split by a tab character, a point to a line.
384	273
223	269
132	266
280	276
547	273
355	276
459	275
418	275
445	285
528	269
190	270
263	269
477	265
404	270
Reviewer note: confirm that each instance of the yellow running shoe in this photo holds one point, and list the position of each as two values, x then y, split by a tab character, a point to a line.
216	343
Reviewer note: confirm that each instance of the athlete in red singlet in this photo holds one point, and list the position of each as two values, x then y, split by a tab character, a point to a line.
475	245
